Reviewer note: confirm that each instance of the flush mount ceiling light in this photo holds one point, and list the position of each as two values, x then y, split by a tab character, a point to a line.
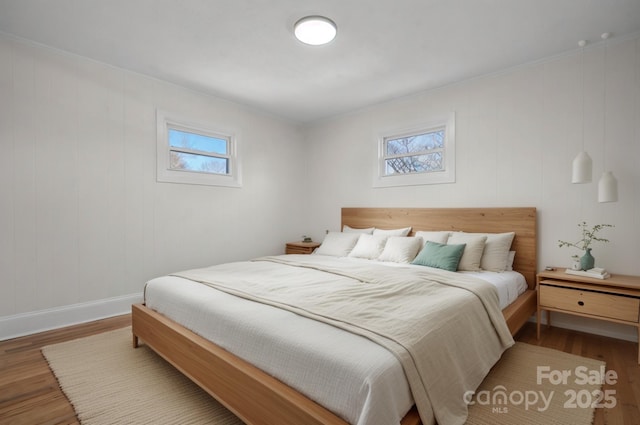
315	30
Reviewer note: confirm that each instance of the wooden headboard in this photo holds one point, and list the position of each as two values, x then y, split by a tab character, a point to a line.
522	221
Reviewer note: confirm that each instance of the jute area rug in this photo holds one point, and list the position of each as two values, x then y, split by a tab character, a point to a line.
109	382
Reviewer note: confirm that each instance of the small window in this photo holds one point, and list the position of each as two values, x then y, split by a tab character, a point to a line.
195	154
198	152
421	155
415	153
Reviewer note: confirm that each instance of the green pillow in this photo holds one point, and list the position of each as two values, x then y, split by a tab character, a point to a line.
440	255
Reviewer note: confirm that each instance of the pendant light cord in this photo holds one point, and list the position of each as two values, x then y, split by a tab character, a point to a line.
605	37
582	43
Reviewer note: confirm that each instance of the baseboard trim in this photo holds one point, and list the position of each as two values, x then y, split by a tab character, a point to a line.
53	318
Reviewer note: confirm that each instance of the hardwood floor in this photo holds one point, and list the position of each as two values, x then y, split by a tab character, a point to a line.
29	393
620	356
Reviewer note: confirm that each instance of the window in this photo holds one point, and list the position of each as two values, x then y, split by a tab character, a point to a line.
415	153
420	155
195	154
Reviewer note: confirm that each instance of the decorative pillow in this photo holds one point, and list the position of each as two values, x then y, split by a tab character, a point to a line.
347	229
368	246
438	237
337	244
440	255
400	249
496	251
392	232
510	258
472	255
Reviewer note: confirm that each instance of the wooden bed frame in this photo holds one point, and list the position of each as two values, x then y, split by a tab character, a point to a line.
258	398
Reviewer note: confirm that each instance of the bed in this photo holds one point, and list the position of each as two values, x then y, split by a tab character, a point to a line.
258	397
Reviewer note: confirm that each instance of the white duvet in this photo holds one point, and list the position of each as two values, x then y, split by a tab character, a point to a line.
359	380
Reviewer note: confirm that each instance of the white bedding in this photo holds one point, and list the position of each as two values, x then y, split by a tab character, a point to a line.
360	381
510	284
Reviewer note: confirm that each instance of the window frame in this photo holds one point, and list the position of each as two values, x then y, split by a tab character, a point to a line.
166	174
448	175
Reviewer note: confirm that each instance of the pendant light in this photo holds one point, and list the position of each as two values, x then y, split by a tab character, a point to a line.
582	164
581	172
608	185
607	188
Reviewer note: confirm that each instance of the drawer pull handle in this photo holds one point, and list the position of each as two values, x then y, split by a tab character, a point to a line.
580	303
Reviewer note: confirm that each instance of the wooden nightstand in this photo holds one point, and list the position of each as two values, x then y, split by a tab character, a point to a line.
616	299
301	247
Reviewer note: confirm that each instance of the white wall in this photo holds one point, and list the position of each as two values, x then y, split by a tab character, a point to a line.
83	223
82	218
517	134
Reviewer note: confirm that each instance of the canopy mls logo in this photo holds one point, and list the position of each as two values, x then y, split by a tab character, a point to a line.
500	398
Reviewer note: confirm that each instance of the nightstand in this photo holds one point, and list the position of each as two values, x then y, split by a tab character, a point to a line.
301	247
616	299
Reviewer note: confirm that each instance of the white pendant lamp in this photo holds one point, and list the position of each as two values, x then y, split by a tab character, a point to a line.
608	188
607	185
315	30
582	164
582	167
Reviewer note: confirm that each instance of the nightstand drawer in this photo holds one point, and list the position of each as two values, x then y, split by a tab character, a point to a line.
301	247
593	303
298	250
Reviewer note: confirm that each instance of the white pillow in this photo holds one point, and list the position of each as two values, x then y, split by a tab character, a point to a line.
496	251
368	246
438	237
510	258
337	244
347	229
400	249
393	232
472	254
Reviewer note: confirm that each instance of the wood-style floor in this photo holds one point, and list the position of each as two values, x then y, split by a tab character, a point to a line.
29	393
620	356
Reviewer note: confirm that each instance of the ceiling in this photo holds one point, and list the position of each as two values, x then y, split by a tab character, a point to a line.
244	50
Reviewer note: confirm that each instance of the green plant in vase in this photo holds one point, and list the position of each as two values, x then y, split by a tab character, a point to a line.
584	244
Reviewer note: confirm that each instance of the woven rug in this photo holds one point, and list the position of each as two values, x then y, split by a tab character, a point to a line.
533	385
109	382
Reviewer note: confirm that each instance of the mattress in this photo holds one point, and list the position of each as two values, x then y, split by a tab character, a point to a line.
350	375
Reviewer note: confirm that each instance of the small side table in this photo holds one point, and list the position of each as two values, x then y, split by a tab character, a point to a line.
616	299
301	247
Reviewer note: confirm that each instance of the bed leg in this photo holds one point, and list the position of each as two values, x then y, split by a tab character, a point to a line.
135	341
